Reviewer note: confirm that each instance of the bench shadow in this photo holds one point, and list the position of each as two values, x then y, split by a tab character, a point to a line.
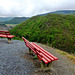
37	64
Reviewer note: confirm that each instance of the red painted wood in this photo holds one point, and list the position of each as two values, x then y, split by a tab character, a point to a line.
46	52
40	52
6	34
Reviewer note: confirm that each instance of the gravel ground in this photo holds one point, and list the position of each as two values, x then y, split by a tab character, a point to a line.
15	60
11	58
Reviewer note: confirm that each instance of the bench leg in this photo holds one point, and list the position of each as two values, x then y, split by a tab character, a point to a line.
9	40
45	67
30	51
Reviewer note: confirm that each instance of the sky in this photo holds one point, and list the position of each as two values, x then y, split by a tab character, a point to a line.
29	8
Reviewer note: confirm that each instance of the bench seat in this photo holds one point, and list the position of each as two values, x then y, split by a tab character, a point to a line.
2	35
6	34
43	54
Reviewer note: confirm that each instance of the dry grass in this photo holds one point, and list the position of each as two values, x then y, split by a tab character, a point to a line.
70	56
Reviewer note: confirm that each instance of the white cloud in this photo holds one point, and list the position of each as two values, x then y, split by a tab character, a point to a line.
33	7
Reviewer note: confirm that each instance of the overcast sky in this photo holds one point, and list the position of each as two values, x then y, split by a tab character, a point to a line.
28	8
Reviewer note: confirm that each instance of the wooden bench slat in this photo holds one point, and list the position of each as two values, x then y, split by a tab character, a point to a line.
43	59
10	36
43	56
46	52
2	35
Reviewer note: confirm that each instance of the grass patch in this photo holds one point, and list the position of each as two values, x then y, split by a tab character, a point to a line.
69	56
35	57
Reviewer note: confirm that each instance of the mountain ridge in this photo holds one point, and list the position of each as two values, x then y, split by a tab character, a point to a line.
65	12
15	20
5	18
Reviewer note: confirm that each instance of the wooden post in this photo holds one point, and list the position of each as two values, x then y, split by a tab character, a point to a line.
9	40
45	67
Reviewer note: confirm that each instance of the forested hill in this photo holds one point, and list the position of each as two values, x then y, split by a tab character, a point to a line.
52	29
15	20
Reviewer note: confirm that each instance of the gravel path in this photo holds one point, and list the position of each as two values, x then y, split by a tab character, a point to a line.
14	60
11	58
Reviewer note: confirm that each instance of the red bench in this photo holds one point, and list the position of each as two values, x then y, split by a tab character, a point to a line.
42	54
7	35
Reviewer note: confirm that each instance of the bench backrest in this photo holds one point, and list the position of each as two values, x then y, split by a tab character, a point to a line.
4	32
41	53
28	44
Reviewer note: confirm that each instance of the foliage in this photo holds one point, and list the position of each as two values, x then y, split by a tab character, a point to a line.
52	29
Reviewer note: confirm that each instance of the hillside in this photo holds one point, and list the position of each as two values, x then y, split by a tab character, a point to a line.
65	12
15	20
55	30
5	19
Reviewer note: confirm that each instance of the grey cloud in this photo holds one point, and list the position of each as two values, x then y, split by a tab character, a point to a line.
29	8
